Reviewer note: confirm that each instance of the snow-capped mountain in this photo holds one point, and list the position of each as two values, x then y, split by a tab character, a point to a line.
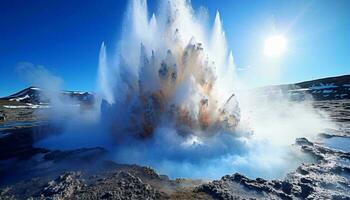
331	88
28	95
35	96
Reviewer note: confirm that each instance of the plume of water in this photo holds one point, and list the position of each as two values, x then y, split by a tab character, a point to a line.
170	68
105	90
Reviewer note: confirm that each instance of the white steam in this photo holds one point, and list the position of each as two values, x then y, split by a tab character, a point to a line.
77	122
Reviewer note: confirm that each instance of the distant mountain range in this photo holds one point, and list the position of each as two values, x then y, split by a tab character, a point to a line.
35	96
331	88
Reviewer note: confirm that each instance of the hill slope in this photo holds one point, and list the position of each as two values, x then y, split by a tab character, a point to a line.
36	96
331	88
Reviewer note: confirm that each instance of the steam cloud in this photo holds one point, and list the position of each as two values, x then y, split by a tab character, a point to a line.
169	100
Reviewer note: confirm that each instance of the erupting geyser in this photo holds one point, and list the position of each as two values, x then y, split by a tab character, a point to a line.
169	71
169	102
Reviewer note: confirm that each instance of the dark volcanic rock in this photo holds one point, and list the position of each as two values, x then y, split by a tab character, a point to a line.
121	185
75	185
238	186
18	143
63	187
78	155
20	159
2	117
326	179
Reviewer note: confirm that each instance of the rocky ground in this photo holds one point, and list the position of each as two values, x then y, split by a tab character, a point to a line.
327	178
28	172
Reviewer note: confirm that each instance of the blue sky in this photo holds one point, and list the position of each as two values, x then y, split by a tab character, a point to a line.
65	37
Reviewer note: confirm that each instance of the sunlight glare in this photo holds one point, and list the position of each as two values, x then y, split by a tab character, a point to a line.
275	46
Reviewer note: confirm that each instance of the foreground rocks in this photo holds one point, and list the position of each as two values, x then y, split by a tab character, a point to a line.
123	182
28	172
328	178
63	187
121	185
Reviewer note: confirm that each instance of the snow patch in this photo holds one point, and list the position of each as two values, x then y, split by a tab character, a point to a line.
328	91
322	86
20	98
26	106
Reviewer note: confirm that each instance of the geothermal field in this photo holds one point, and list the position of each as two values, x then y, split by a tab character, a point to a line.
171	118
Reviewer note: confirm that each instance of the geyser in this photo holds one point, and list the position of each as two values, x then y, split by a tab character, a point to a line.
169	101
170	71
169	98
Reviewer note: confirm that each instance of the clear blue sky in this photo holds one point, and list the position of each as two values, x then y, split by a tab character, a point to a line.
65	37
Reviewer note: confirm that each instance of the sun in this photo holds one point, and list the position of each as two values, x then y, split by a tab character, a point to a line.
275	45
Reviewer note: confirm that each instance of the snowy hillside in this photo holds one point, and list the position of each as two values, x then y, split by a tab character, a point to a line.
35	96
332	88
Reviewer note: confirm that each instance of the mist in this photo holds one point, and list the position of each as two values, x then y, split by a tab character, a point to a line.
79	125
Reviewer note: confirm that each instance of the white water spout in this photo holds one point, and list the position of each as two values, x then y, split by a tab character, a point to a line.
105	87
